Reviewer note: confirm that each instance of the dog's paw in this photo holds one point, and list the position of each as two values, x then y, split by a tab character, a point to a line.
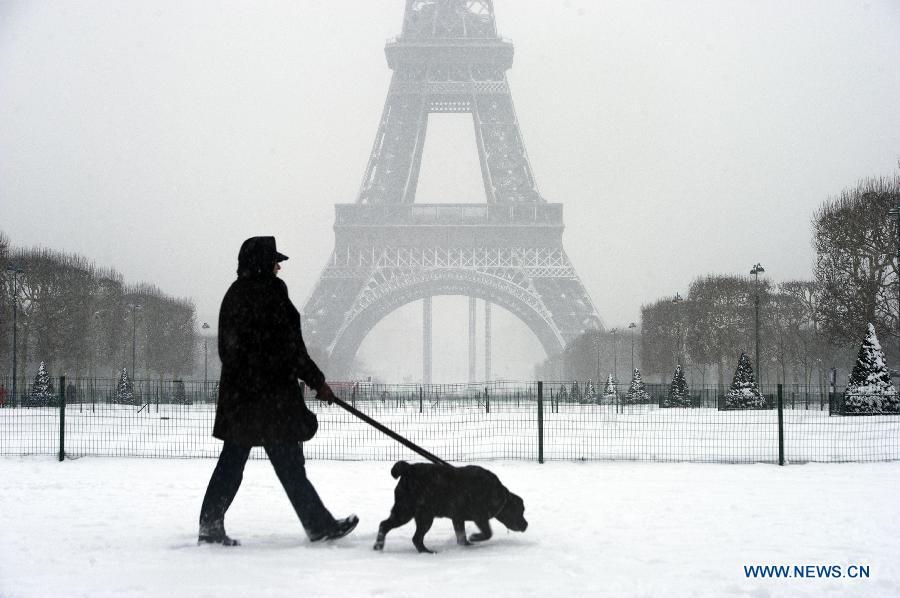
378	546
479	537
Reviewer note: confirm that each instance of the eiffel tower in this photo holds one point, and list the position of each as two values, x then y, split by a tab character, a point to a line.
390	251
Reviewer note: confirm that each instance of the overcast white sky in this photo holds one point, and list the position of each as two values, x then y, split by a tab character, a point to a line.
683	138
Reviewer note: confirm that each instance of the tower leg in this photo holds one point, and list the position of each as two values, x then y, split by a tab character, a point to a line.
426	340
471	339
487	341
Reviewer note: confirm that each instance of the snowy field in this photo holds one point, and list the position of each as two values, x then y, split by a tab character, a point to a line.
463	432
127	527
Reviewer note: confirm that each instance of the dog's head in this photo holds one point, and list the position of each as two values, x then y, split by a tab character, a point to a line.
512	513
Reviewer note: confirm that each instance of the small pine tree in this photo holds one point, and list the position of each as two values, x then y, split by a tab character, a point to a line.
42	388
610	393
590	393
575	394
744	393
678	391
562	396
179	395
636	392
870	389
124	390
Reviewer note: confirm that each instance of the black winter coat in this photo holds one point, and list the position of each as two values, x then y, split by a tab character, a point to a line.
263	355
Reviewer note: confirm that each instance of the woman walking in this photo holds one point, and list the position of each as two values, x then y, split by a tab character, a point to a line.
260	400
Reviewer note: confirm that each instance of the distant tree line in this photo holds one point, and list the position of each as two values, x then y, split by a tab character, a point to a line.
708	330
807	327
81	319
594	355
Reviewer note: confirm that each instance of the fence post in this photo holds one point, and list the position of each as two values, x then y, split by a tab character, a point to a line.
540	422
780	425
420	399
62	417
487	401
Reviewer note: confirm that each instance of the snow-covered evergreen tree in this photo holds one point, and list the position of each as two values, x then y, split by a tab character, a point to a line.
678	395
590	393
562	396
610	393
179	395
870	389
42	388
575	394
744	393
124	389
636	392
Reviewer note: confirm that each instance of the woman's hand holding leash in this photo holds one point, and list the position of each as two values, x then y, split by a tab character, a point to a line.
325	394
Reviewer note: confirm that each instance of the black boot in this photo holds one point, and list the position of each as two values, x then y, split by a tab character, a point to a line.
215	534
341	528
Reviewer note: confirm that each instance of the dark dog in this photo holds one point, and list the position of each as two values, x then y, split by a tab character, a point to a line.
462	494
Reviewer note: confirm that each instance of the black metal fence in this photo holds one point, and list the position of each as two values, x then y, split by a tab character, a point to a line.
457	422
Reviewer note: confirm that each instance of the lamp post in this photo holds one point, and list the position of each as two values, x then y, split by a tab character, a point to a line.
676	300
615	357
756	271
632	326
15	270
205	361
134	307
895	211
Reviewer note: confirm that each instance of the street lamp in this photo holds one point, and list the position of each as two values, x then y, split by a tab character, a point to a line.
205	360
676	300
615	357
756	271
632	326
15	270
134	307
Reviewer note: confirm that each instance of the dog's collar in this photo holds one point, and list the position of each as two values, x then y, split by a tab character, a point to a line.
503	504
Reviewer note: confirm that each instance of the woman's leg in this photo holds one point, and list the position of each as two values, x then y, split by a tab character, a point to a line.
288	461
223	486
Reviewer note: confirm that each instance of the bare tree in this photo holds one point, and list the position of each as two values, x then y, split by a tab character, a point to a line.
856	262
163	330
720	321
662	337
6	299
589	352
107	323
75	318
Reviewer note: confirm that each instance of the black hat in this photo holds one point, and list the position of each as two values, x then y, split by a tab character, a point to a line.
258	253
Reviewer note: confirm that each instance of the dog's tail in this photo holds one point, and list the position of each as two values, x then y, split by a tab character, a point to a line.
400	468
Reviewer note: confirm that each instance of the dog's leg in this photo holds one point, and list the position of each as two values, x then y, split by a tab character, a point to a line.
459	526
484	534
423	524
394	520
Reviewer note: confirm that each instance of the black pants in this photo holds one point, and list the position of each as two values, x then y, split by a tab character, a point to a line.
288	461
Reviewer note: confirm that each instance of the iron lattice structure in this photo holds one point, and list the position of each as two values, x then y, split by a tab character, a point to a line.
390	251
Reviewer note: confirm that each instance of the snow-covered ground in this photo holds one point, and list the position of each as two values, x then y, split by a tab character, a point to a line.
127	527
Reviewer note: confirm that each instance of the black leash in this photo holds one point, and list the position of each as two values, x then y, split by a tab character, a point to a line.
390	432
